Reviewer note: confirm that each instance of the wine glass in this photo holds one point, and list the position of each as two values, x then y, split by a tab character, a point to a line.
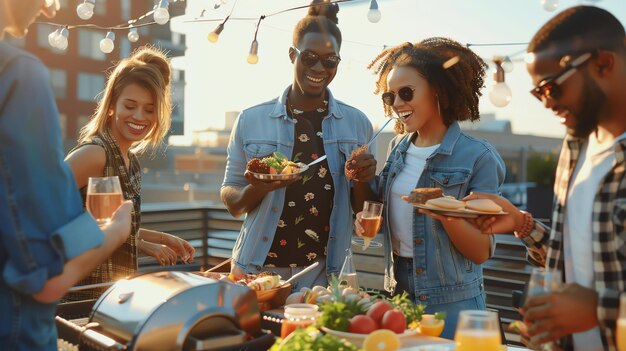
477	330
543	281
371	219
104	196
621	324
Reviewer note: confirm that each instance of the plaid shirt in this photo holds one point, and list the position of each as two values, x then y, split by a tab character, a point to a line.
545	245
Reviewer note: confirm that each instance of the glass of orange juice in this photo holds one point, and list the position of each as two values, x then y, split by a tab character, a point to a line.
371	219
621	324
477	330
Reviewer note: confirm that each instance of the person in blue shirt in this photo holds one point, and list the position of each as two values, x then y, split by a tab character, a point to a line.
292	224
430	86
47	241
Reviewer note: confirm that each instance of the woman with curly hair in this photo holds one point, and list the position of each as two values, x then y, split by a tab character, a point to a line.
431	86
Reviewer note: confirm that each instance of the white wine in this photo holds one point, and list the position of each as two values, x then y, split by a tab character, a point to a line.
103	205
351	280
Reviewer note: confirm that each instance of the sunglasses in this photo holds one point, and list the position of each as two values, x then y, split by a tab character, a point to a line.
405	93
551	88
310	59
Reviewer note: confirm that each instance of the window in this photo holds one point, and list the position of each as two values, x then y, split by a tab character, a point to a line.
89	44
124	48
101	8
63	124
125	7
89	86
58	78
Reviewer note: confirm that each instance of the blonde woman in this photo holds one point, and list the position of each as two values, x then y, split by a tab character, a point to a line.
132	115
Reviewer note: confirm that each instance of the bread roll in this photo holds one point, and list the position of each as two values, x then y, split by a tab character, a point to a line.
446	203
483	205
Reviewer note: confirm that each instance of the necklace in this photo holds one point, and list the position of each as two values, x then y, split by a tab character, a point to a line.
294	111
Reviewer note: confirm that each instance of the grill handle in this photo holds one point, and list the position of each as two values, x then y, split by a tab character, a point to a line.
92	338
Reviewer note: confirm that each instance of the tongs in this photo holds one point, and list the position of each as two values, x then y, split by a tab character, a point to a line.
306	270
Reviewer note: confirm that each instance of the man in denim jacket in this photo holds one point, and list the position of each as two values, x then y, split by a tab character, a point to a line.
292	224
47	241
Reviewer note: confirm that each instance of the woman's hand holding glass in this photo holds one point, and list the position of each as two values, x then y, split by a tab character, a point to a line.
104	196
367	224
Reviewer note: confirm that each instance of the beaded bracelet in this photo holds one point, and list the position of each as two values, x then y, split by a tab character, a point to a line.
527	226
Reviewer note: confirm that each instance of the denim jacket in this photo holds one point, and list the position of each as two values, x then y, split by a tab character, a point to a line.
461	164
42	222
266	128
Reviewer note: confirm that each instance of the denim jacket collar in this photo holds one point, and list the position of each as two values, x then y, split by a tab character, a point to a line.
280	109
447	144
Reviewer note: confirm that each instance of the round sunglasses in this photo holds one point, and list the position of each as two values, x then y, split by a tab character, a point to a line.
405	93
310	59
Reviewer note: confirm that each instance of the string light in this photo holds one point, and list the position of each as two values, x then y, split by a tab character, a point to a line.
253	56
85	9
52	37
507	65
133	34
161	13
373	15
107	44
61	40
500	94
214	36
550	5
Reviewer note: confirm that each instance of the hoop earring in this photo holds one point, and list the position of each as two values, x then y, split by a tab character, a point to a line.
110	113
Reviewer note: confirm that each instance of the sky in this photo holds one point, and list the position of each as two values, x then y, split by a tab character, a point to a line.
218	78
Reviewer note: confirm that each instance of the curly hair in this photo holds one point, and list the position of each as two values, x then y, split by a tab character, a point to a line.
455	72
321	18
577	30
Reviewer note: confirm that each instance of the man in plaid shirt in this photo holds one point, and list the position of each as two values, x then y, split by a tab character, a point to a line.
579	69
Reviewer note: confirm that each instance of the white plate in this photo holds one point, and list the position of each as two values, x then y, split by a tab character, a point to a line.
303	168
357	339
463	213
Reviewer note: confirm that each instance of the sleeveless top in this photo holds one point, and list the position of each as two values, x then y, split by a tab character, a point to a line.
123	261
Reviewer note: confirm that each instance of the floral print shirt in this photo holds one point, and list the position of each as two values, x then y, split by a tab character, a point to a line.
302	231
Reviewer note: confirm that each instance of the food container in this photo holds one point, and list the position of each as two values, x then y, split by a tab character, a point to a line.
273	298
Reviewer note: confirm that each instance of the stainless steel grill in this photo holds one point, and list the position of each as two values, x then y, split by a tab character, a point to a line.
168	311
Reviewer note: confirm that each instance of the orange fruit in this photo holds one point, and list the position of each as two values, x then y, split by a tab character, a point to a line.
431	326
381	340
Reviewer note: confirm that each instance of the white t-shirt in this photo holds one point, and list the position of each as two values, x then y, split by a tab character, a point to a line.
401	212
595	161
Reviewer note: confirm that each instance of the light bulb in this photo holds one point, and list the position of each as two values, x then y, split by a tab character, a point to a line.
85	10
52	38
550	5
214	36
500	94
507	65
61	41
107	45
373	15
253	57
161	14
133	35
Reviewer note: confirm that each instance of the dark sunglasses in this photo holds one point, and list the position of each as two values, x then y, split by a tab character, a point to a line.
551	88
405	93
310	59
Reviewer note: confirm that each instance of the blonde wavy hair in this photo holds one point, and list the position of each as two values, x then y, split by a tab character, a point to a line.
150	68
